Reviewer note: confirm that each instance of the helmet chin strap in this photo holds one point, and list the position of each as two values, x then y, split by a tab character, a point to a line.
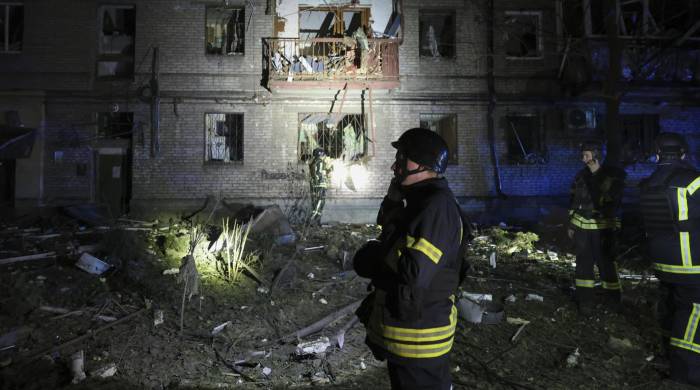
403	167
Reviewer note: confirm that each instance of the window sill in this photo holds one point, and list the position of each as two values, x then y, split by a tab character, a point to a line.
508	58
221	163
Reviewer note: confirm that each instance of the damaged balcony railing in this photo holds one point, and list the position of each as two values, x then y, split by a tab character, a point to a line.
292	61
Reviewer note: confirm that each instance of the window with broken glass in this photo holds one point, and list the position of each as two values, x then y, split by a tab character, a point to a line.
115	51
11	27
341	136
523	34
525	139
225	31
115	124
638	133
446	126
438	33
224	137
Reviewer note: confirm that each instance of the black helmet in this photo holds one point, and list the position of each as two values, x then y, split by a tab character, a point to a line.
670	145
424	147
319	152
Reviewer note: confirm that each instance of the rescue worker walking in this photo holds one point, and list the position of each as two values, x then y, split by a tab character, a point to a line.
320	169
410	317
596	195
670	200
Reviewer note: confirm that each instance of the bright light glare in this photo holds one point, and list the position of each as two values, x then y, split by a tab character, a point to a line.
355	175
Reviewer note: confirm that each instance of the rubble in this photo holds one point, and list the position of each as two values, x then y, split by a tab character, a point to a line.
256	342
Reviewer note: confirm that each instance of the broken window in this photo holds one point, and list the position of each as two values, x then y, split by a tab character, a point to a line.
446	126
638	133
225	30
115	124
11	27
323	22
116	31
524	139
438	33
224	137
341	136
522	34
667	19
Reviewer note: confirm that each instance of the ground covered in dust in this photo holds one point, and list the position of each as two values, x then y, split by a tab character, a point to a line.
241	333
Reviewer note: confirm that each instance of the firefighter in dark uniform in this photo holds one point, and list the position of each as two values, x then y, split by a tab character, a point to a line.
670	200
319	171
414	265
596	195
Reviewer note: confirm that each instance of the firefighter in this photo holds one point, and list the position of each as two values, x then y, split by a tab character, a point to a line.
320	169
414	265
596	195
670	200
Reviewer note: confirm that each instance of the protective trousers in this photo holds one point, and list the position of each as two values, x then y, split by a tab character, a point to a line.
318	202
595	247
410	377
683	307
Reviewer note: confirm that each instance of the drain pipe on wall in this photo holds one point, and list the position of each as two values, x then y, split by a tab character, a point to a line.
490	80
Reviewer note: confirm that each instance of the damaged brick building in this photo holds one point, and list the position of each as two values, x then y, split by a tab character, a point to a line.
155	104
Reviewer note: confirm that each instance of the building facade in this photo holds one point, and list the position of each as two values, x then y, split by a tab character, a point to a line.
161	103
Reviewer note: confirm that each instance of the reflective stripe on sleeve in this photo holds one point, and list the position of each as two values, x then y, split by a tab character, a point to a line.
585	283
425	247
611	285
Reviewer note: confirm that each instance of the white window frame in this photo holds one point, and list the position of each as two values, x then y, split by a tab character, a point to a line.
540	44
6	44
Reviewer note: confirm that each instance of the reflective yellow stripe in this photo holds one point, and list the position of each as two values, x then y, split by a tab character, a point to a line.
424	246
682	204
694	186
413	350
685	249
692	326
676	269
594	224
422	335
611	285
585	283
685	345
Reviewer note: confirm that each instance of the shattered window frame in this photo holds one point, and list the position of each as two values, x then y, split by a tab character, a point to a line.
638	134
446	126
534	144
653	16
115	50
115	125
335	133
12	38
446	50
509	28
224	36
224	137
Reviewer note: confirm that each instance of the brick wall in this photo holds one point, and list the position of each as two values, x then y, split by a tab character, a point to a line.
193	83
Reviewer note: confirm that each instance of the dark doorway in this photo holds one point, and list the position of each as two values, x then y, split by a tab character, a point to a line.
112	181
113	161
7	183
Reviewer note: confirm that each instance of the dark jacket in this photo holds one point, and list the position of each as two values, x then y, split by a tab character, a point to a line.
670	200
596	198
411	317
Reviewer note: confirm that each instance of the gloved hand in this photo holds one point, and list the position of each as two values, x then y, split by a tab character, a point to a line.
367	259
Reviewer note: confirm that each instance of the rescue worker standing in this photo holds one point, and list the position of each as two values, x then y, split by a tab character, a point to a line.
410	317
670	200
596	195
320	169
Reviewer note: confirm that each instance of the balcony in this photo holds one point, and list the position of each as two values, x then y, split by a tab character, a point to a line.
332	63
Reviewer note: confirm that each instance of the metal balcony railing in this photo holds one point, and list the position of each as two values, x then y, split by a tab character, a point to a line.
322	62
